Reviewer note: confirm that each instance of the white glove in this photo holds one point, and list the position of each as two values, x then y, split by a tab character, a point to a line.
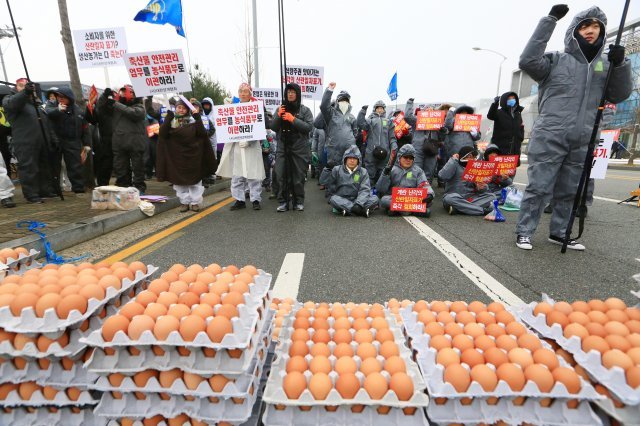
474	132
243	144
452	109
86	149
62	107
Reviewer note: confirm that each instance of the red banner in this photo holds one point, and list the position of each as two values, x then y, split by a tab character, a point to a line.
479	171
93	98
153	129
430	120
465	122
506	164
408	200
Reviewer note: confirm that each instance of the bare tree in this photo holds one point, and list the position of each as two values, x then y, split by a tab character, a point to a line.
245	64
72	65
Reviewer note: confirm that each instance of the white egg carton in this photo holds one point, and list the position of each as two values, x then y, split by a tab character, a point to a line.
55	375
4	271
43	417
21	264
437	387
28	322
196	362
61	399
531	412
628	415
614	379
343	416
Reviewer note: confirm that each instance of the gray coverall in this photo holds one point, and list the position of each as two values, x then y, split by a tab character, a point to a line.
340	129
463	195
456	140
379	133
348	189
427	163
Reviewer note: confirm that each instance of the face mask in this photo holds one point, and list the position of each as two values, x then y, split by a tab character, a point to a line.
511	103
344	106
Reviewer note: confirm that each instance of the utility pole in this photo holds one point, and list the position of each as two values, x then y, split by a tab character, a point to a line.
65	32
255	45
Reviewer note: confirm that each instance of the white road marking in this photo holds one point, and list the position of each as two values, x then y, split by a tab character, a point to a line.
489	285
288	280
611	200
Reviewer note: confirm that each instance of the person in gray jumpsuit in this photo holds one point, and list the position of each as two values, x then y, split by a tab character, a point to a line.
426	142
571	84
381	139
455	139
349	187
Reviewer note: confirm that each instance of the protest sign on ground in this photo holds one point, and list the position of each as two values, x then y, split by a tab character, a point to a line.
239	122
154	73
103	47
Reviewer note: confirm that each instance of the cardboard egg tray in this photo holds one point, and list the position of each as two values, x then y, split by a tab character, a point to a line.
28	322
437	387
343	416
55	375
61	399
44	417
614	379
628	415
21	264
478	411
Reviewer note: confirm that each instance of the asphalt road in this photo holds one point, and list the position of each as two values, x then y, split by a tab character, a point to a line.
375	259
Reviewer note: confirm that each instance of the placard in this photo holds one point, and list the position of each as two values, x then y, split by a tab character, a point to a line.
309	78
602	153
430	120
154	73
239	122
465	122
153	129
271	97
104	47
506	164
479	171
408	200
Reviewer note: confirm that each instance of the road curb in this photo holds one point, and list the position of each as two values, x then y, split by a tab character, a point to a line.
86	229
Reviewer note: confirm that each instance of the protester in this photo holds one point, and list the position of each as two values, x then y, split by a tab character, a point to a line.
402	131
498	182
426	142
242	162
268	158
293	123
456	139
404	174
5	130
349	187
6	187
461	196
103	151
318	154
30	147
380	142
185	155
560	135
207	110
508	130
339	124
68	123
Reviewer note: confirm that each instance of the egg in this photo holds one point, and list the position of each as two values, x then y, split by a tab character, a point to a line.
211	299
471	357
299	348
484	342
634	340
347	385
218	382
192	381
395	364
164	325
569	378
219	327
323	336
596	343
167	298
634	354
458	376
546	357
179	310
515	329
617	315
138	325
342	324
506	342
73	302
342	336
370	365
70	289
462	342
188	277
320	385
504	317
616	358
543	308
485	377
123	273
402	385
447	356
320	364
5	389
618	342
49	392
363	336
155	310
366	350
44	342
633	326
597	305
141	378
320	349
376	386
132	309
556	317
21	340
27	389
530	342
323	324
228	311
342	349
465	318
596	329
384	335
615	303
47	301
389	349
512	374
632	313
633	376
190	326
346	364
445	317
24	301
495	307
494	330
541	376
158	286
166	378
617	328
485	318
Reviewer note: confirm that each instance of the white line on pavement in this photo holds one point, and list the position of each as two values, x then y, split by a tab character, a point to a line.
474	272
288	280
611	200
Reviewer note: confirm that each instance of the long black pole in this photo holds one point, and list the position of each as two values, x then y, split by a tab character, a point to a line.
54	175
285	127
580	200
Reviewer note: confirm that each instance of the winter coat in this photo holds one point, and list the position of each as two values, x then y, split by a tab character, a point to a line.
212	129
340	129
412	177
456	140
451	174
508	129
355	186
67	124
295	135
379	134
421	137
104	118
569	89
317	141
25	130
129	126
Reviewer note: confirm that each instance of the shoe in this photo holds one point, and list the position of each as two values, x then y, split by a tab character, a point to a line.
256	205
335	211
357	210
35	200
572	244
8	202
282	208
195	207
184	208
238	205
548	209
299	207
367	213
524	242
487	210
345	213
451	210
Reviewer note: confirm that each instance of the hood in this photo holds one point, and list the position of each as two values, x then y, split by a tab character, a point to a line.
464	109
503	99
379	104
407	149
465	150
293	106
66	91
207	100
594	12
343	96
352	152
491	149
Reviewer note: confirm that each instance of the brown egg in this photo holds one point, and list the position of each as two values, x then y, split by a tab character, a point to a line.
395	364
44	342
132	309
323	336
47	301
438	306
634	340
5	389
485	318
485	377
112	325
370	365
633	326
445	317
73	302
320	385
598	317
512	374
219	327
190	326
471	357
447	356
341	349
25	300
569	378
21	340
122	273
166	378
233	298
366	350
530	342
465	317
299	348
617	328
342	336
596	343
26	390
211	299
546	357
320	364
346	364
294	384
155	310
164	325
402	385
203	311
458	307
141	378
494	330
575	329
541	376
347	385
579	317
362	336
633	376
453	329
384	335
192	381
618	342
634	354
70	289
473	330
239	287
440	342
504	317
178	287
138	325
49	392
323	324
8	288
617	315
376	386
250	269
228	311
615	303
616	358
179	310
159	286
342	324
320	349
458	376
167	298
218	382
146	297
189	299
462	342
506	342
556	317
520	356
420	305
6	335
484	342
596	329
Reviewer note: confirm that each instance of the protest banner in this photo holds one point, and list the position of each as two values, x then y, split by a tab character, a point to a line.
93	98
465	122
100	47
271	98
239	122
479	171
602	153
154	73
408	200
309	78
402	128
153	129
430	120
506	164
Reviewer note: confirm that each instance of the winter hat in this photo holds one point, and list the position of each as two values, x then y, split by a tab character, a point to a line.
22	80
379	104
491	149
246	86
343	96
466	150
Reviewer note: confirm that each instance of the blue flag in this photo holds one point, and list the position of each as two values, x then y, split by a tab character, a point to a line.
163	12
392	90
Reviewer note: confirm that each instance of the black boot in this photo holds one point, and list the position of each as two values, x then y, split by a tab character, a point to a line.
238	205
357	210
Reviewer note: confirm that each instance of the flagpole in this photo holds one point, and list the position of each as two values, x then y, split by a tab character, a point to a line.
186	37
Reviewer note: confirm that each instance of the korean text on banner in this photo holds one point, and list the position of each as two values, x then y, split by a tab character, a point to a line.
153	129
430	120
602	153
309	78
239	122
271	98
103	47
465	122
408	200
479	171
154	73
506	164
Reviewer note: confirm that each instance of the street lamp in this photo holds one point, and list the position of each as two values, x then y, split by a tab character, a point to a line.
504	58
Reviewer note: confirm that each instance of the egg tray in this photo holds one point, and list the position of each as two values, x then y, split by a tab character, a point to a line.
61	399
437	387
628	415
28	322
55	375
614	379
42	417
343	416
21	264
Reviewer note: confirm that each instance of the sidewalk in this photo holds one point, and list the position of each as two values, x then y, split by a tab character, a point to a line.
72	221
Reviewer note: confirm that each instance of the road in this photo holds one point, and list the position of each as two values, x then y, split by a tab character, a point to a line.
355	259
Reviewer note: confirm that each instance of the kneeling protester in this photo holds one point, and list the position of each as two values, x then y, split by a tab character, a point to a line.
349	187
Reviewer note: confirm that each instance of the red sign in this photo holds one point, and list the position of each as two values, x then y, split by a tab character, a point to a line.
401	126
479	171
506	164
408	200
465	122
93	98
430	120
153	129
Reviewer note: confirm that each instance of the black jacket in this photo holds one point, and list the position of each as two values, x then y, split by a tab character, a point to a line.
508	129
69	124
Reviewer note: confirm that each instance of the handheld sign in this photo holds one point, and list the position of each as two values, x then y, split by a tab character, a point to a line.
479	171
408	200
154	73
271	98
153	129
465	122
602	153
104	47
506	164
239	122
430	120
309	78
187	103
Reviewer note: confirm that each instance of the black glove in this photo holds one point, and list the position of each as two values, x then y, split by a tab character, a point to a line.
30	88
331	165
364	107
443	131
428	200
108	92
386	171
558	11
616	54
496	99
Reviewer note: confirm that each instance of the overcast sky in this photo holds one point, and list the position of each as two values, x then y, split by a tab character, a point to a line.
361	43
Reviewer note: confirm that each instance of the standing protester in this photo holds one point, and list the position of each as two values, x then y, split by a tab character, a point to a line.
30	147
455	139
207	110
381	139
67	122
426	142
185	155
508	130
571	85
242	162
318	156
103	151
293	124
